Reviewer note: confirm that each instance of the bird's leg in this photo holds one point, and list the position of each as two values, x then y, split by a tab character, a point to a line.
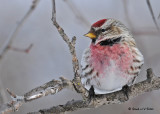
91	93
126	90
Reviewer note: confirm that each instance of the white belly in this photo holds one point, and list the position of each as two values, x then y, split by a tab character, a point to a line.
113	79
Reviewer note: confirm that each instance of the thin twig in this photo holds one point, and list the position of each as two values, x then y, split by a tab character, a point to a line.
151	11
159	16
27	50
67	40
125	3
11	94
77	13
12	36
71	44
151	32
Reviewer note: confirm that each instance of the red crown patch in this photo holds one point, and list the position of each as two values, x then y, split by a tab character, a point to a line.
99	23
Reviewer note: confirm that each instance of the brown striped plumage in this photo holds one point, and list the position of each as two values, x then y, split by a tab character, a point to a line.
112	59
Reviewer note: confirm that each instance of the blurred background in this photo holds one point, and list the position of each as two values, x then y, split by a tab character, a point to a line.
49	58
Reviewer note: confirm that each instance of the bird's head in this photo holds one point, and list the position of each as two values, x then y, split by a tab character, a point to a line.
107	32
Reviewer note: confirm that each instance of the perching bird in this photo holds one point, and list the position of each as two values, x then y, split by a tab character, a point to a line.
112	59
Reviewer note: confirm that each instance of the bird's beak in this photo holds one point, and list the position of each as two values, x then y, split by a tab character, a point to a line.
90	35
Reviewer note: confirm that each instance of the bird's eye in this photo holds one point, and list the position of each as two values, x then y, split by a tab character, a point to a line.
103	30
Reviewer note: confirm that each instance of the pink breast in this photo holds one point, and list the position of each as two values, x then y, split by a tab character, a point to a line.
102	55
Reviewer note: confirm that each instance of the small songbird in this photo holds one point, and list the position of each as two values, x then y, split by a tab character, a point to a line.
112	59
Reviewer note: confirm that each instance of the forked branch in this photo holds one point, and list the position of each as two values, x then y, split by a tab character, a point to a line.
71	44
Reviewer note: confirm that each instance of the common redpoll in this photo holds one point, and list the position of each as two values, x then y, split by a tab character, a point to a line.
112	60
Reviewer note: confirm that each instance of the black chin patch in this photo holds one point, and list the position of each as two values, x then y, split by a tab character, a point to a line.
93	40
110	42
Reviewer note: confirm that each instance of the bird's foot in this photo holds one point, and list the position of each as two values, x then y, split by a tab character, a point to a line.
91	93
126	90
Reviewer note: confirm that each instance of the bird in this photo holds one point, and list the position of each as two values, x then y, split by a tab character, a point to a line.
112	59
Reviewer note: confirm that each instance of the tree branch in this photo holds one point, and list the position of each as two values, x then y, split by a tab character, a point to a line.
51	87
152	14
151	83
7	44
77	13
71	44
158	16
10	39
126	6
